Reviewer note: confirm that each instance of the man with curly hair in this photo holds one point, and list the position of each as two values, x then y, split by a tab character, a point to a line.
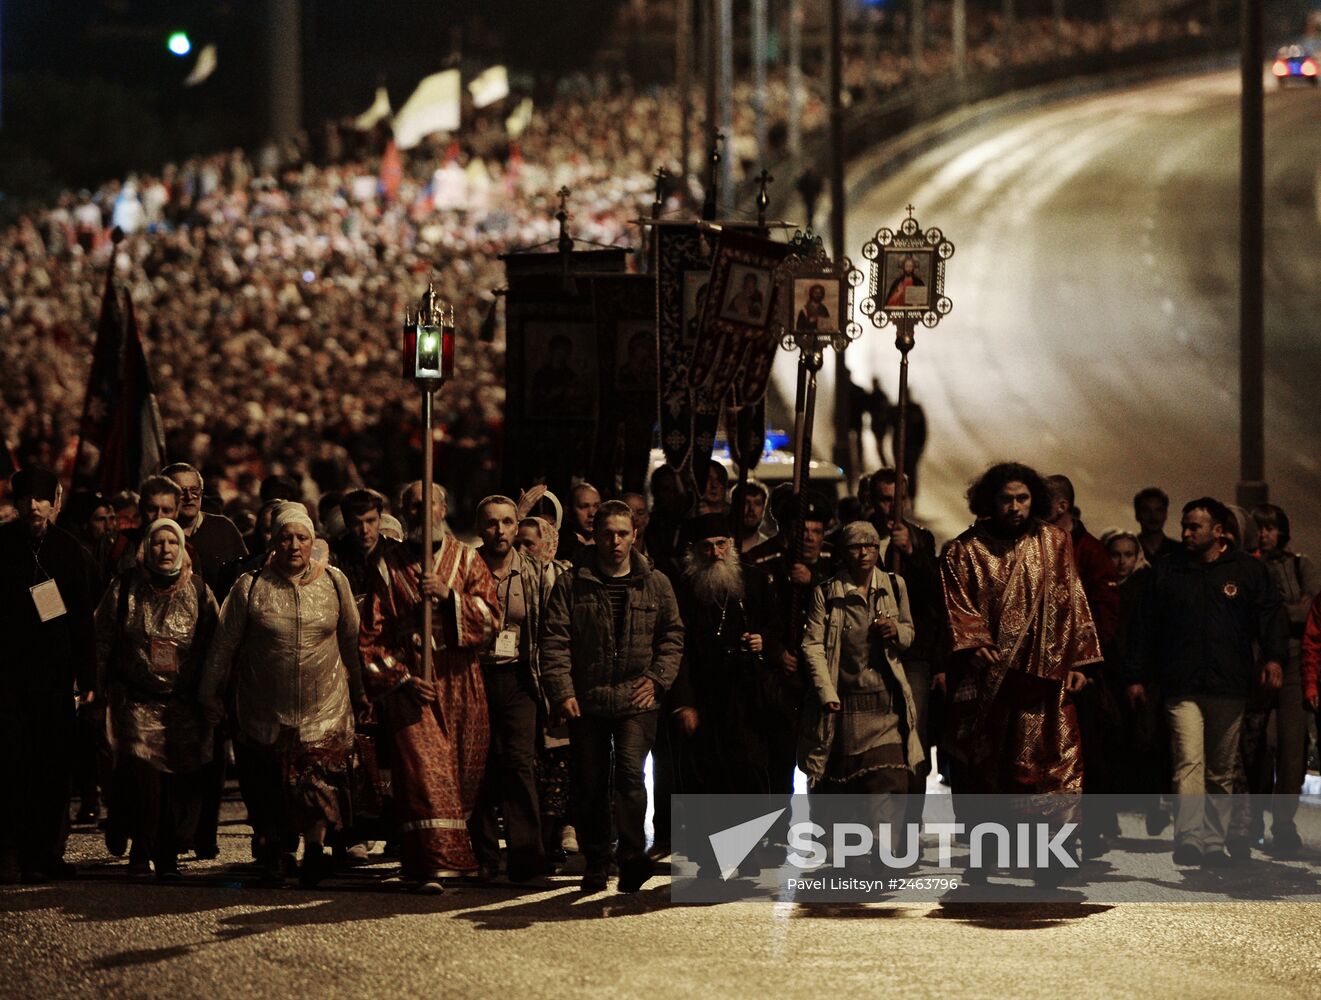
1021	634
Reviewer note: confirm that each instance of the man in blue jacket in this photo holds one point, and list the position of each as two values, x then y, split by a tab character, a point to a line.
1194	636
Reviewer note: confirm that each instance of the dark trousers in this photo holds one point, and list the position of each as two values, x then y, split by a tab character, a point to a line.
274	827
211	786
1274	745
919	682
780	701
161	808
93	763
36	761
664	776
605	749
509	784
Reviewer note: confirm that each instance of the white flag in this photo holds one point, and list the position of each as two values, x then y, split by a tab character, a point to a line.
489	87
380	109
518	122
204	67
434	107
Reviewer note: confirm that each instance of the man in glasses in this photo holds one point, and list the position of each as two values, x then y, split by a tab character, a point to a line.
217	549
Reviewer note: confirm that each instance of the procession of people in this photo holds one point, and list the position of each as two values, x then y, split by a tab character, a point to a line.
841	644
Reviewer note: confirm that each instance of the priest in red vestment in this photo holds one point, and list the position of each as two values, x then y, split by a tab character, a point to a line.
438	729
1021	633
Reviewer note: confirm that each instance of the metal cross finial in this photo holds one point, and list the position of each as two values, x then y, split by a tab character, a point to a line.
763	196
712	196
565	243
910	211
662	175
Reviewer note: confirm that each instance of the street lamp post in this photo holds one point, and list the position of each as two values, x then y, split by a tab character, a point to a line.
1252	489
428	360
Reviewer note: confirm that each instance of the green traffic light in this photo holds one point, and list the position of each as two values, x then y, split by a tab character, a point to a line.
179	43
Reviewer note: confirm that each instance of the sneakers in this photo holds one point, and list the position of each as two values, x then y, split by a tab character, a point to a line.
1187	855
569	840
429	887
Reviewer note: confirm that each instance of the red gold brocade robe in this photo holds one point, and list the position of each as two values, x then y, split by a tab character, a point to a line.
1015	728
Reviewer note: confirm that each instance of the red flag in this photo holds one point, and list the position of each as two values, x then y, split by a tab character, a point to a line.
392	171
121	440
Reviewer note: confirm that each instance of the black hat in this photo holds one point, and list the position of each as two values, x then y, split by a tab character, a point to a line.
279	487
713	525
817	508
34	482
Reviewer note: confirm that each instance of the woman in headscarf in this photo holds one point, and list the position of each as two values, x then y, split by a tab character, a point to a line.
290	628
153	628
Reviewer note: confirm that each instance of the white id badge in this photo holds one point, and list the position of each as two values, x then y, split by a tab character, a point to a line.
46	596
506	643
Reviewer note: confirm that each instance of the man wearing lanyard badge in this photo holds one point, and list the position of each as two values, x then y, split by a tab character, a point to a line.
46	619
511	672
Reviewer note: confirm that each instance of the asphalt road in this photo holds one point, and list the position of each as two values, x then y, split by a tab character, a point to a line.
1095	280
361	935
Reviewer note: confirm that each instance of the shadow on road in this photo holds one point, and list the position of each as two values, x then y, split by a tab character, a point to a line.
569	904
1016	916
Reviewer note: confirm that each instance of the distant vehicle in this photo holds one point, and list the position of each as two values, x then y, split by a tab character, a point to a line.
1298	63
776	466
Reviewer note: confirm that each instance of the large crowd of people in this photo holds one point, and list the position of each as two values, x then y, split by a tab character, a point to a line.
734	636
271	283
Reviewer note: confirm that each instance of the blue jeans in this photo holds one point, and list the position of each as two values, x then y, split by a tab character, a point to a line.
593	742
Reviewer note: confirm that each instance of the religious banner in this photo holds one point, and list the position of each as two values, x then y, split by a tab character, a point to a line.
625	312
738	310
683	269
553	365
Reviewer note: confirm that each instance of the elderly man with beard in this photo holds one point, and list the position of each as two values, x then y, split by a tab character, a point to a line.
728	613
438	727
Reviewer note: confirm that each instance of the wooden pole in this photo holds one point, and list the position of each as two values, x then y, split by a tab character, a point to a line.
904	341
428	519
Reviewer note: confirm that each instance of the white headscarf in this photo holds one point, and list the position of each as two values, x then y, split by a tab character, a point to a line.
144	549
290	512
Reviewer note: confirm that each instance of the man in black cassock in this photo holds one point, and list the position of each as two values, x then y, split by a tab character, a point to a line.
46	627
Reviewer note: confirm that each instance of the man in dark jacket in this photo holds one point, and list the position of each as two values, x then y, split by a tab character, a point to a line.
611	649
909	550
46	620
1097	703
1194	632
